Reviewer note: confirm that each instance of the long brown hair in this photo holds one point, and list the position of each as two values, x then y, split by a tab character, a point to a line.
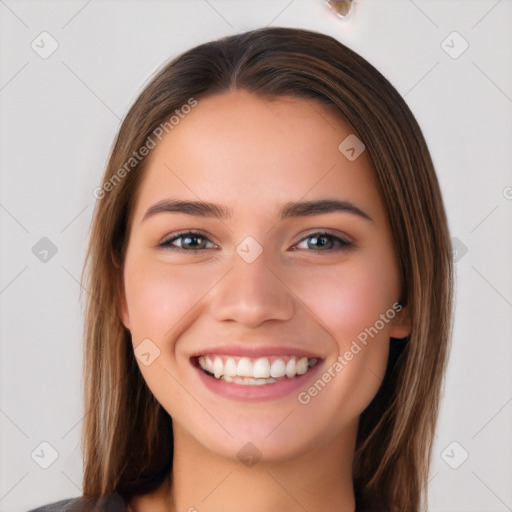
127	435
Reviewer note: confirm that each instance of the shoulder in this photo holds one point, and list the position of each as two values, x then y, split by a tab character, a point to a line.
67	505
112	502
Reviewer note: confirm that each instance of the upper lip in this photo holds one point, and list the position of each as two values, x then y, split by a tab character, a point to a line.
255	351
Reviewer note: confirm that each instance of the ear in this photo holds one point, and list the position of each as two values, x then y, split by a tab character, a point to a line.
123	307
401	323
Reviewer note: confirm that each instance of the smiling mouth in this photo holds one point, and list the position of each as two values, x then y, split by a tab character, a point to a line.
254	371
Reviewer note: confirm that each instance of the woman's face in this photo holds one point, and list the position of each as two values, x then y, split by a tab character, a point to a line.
267	283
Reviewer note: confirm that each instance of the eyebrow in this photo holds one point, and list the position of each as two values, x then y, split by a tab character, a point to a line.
289	210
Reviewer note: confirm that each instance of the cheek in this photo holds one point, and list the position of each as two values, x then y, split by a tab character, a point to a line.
349	299
160	298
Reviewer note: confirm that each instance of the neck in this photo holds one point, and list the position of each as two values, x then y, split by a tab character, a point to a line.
318	480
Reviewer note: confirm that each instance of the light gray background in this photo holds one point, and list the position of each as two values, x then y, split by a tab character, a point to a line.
59	117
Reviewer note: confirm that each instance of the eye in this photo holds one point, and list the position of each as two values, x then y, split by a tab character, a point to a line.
324	241
189	241
195	241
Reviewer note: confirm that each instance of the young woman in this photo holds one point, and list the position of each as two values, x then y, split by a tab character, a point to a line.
269	289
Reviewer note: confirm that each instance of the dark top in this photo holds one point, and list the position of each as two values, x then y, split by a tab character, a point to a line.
112	502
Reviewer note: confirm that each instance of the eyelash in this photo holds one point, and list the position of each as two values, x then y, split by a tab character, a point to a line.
343	244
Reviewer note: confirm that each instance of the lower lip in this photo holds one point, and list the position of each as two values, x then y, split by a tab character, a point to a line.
261	392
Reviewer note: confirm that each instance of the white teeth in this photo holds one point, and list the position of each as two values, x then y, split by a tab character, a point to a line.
245	368
255	372
247	380
302	365
262	368
218	367
278	368
291	368
230	367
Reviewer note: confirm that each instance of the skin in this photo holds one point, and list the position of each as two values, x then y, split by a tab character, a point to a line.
253	155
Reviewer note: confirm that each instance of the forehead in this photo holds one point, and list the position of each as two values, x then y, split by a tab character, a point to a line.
245	150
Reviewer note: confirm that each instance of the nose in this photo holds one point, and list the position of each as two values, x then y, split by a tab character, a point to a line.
252	293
